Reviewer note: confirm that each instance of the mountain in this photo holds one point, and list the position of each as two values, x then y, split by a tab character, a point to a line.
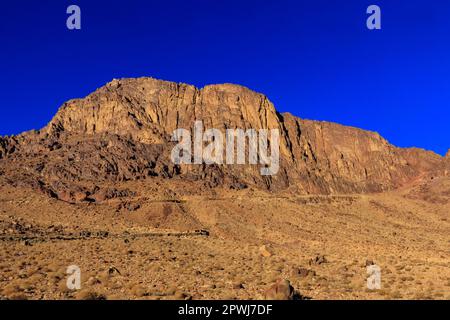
122	132
97	188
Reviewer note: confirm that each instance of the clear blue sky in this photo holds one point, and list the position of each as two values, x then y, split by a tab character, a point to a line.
314	58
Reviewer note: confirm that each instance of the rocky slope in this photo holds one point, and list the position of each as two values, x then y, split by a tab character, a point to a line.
122	132
96	188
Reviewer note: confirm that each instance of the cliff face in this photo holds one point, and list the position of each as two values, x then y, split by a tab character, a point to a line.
122	132
148	109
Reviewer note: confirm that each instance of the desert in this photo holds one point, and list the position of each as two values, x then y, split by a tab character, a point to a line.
96	188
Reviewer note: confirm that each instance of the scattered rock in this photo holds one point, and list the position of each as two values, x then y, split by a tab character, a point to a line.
85	234
102	234
303	272
237	185
369	263
113	270
318	260
202	232
100	195
238	285
93	281
265	252
129	206
281	290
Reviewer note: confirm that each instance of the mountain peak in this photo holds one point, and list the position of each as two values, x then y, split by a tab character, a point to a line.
142	105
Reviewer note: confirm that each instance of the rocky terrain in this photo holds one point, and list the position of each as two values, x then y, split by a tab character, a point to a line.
96	188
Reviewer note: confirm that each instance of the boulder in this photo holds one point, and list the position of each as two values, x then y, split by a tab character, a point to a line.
280	290
265	252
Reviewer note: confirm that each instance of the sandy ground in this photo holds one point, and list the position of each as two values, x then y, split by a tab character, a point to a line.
146	247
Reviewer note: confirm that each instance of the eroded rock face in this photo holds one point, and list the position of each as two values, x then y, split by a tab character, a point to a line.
147	109
122	132
7	145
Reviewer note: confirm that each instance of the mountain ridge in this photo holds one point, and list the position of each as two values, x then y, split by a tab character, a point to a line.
127	124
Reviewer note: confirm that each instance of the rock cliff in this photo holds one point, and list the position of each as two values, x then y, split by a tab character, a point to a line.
122	132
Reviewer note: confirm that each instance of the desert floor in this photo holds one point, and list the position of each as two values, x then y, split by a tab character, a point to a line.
150	252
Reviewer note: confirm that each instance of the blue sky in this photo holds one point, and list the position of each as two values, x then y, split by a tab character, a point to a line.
315	59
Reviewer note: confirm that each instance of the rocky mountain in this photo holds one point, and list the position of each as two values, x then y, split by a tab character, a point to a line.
122	132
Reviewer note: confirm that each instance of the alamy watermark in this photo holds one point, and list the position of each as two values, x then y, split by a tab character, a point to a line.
192	150
74	279
374	20
73	22
373	277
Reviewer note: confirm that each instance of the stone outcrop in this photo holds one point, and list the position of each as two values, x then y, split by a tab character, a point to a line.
122	132
281	290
